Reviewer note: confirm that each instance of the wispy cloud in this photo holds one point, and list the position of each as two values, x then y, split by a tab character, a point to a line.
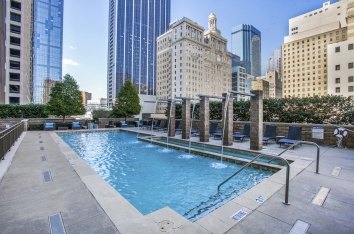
70	62
73	47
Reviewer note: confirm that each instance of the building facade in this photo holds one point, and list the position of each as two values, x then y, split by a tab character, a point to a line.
263	85
18	51
86	96
47	46
246	43
241	82
275	84
2	51
304	52
133	28
192	61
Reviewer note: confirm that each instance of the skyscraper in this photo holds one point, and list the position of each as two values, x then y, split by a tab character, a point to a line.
246	43
47	46
133	28
18	51
2	51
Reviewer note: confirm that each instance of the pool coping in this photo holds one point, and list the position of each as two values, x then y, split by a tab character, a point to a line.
128	219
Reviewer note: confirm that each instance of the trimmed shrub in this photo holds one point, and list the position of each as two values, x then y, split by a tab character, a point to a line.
23	111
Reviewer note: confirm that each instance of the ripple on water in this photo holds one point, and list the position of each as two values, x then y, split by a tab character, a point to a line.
218	165
149	146
164	150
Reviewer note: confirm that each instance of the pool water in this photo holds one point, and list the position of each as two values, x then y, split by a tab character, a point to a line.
152	177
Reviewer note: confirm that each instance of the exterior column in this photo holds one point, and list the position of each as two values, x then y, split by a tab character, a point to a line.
171	118
229	118
204	119
186	118
256	117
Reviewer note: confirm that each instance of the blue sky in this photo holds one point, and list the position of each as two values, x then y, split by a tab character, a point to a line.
85	30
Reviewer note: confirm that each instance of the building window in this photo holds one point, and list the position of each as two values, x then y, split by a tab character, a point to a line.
15	17
337	49
350	46
14	89
15	41
350	65
16	5
14	100
15	29
15	53
350	88
15	65
337	80
350	78
14	76
337	67
337	90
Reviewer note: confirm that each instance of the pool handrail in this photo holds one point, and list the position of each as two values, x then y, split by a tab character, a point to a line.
286	202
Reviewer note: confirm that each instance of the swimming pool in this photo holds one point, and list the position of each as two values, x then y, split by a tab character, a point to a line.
151	177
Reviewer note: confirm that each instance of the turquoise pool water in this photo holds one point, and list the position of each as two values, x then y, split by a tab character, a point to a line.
151	177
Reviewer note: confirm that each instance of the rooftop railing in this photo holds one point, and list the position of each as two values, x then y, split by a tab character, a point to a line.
9	136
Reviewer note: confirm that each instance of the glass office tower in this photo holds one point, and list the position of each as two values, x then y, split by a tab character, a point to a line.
47	47
133	28
246	43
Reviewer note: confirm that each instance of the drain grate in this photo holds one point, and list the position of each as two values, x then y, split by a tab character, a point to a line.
40	141
56	224
300	227
47	176
41	148
321	196
242	213
43	158
336	171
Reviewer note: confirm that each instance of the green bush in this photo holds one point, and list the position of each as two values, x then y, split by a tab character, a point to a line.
317	110
101	113
23	111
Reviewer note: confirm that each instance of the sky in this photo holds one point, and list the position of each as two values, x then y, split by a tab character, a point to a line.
86	30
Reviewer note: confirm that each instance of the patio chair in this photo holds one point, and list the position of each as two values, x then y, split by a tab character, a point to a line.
122	124
270	133
146	124
75	125
48	126
214	131
157	125
294	135
245	133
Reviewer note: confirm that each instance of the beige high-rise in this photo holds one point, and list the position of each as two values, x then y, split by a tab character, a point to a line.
18	51
192	61
304	51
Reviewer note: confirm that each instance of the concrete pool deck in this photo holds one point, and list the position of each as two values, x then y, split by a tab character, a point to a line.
88	205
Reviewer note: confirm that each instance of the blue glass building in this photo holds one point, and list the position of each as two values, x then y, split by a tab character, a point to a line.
133	28
47	47
246	43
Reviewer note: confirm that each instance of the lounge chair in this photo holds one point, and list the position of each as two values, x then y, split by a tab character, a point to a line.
294	135
48	126
270	133
214	131
75	125
147	124
245	133
122	124
157	125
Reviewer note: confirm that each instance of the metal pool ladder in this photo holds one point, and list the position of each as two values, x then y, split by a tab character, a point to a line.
286	202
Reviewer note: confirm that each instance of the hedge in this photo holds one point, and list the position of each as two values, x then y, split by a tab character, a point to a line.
317	110
23	111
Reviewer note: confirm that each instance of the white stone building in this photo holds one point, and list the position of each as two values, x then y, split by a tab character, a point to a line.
192	61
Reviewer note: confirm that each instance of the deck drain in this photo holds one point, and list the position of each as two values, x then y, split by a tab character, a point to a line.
165	226
300	227
41	148
242	213
321	196
46	176
56	225
43	158
40	141
260	199
336	171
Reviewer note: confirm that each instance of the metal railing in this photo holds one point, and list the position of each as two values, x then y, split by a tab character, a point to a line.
257	157
9	136
278	157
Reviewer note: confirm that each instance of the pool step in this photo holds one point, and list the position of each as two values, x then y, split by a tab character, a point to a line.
321	196
56	224
300	227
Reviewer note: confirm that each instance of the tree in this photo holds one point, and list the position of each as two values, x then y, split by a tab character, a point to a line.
128	102
65	98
